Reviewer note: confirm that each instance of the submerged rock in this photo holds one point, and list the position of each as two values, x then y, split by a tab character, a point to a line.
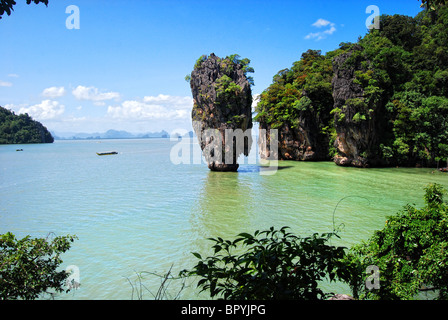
222	110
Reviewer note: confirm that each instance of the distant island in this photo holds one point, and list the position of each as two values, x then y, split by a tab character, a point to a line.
21	129
112	134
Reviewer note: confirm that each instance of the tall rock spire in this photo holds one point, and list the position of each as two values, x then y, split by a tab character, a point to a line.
222	111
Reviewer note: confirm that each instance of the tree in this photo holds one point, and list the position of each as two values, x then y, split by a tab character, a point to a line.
28	267
410	252
275	265
432	4
310	78
17	129
7	5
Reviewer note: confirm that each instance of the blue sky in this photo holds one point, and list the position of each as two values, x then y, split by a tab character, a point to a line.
124	67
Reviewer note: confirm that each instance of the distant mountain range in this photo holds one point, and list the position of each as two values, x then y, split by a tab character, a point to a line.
110	134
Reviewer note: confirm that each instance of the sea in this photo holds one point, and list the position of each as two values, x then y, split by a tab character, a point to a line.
140	214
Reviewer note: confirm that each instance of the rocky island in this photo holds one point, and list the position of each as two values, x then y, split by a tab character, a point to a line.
222	109
382	101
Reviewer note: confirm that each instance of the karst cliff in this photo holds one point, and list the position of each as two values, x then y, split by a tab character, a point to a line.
222	110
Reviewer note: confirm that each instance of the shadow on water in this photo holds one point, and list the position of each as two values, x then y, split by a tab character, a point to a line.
254	168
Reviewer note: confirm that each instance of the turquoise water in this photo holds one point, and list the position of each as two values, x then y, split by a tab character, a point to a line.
137	211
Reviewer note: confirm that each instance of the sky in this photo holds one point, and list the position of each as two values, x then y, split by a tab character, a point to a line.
90	66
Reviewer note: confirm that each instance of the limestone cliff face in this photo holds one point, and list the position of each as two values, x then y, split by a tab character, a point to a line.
301	142
222	107
355	119
336	109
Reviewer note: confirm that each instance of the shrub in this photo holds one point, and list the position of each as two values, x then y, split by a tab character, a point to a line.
410	252
275	265
28	267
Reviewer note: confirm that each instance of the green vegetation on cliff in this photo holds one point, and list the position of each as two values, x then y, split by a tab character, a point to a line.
17	129
380	101
306	86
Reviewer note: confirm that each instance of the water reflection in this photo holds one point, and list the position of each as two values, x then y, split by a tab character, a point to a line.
225	204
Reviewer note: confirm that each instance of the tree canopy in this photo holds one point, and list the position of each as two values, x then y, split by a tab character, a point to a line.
18	129
29	266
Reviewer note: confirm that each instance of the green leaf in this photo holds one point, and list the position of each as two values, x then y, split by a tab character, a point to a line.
197	255
245	235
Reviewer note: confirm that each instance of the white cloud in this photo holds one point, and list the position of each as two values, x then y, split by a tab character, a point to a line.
93	94
160	97
331	30
13	75
320	23
46	110
5	84
161	107
173	101
54	92
313	35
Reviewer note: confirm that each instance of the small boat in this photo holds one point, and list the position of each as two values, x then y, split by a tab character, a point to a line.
106	153
19	149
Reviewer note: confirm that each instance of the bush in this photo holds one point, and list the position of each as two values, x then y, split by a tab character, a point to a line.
410	252
275	265
28	267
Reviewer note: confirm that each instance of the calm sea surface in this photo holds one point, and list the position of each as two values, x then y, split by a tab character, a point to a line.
138	212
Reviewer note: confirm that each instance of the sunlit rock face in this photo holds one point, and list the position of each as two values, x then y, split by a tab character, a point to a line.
355	120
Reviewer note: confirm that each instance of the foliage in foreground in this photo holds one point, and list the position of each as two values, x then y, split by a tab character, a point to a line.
28	267
139	289
410	252
275	265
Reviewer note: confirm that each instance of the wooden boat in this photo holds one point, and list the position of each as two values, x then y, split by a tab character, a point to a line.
106	153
